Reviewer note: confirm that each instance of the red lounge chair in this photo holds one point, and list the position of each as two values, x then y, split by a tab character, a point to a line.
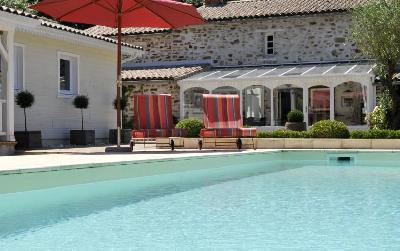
222	118
153	118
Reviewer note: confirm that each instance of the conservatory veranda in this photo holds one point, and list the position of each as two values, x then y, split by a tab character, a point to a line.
340	91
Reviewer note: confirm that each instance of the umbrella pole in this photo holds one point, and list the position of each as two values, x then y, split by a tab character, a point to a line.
119	80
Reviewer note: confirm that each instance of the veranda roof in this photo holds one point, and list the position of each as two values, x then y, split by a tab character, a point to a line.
284	71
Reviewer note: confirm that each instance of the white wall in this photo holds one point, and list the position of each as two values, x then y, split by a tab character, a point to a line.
54	115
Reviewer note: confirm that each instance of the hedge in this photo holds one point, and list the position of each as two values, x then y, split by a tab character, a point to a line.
321	129
283	134
375	134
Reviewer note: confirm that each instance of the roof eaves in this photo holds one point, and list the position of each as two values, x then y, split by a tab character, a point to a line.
57	26
17	12
142	32
54	25
167	77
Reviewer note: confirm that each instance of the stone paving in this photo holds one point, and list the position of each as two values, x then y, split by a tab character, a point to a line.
91	155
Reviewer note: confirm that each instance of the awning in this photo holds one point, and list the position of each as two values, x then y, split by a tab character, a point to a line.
299	70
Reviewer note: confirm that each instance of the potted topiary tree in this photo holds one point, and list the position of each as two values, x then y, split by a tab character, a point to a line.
82	137
27	139
296	121
125	133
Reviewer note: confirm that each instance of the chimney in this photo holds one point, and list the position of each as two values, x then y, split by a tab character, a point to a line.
209	3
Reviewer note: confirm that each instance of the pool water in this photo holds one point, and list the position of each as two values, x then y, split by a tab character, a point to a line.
262	204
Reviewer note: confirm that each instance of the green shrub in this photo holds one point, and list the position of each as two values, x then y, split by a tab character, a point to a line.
377	119
283	134
295	116
380	116
375	134
394	134
359	134
329	129
193	126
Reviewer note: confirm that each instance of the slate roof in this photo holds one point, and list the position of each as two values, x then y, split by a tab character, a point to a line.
245	9
161	73
54	25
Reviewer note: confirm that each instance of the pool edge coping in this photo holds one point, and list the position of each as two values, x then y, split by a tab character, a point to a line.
67	167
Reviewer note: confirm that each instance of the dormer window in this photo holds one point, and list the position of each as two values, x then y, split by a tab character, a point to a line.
269	44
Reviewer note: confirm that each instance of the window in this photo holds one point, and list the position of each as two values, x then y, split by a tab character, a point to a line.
68	74
269	44
19	66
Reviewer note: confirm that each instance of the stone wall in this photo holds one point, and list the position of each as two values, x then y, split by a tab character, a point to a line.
152	87
312	38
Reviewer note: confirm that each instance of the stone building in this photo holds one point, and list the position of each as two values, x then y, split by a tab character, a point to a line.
278	56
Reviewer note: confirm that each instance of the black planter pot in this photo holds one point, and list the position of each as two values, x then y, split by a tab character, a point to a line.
29	139
125	136
82	137
296	126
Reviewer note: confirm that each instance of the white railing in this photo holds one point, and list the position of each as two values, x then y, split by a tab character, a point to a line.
1	116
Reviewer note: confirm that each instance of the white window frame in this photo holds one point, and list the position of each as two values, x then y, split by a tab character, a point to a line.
23	67
266	47
71	93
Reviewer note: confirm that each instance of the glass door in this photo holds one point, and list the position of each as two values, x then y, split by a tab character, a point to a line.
319	104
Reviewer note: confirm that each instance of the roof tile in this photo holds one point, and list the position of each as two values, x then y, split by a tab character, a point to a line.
83	33
270	8
54	25
163	73
108	31
250	9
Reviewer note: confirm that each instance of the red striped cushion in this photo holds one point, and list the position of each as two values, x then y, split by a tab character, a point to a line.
220	133
248	132
152	111
159	133
151	133
221	111
178	132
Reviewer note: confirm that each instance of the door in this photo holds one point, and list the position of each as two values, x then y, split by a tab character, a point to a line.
285	106
319	104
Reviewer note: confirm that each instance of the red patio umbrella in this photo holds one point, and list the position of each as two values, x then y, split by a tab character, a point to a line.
122	14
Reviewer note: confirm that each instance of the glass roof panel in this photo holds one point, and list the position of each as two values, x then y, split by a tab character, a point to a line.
341	69
287	70
256	72
279	71
200	75
362	68
299	70
319	69
219	73
238	73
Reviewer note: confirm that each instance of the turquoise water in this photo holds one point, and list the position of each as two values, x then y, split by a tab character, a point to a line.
263	204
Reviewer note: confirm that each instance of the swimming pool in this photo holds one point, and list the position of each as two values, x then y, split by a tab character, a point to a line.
281	200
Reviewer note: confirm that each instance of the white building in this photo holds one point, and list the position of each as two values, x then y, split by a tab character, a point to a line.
55	63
